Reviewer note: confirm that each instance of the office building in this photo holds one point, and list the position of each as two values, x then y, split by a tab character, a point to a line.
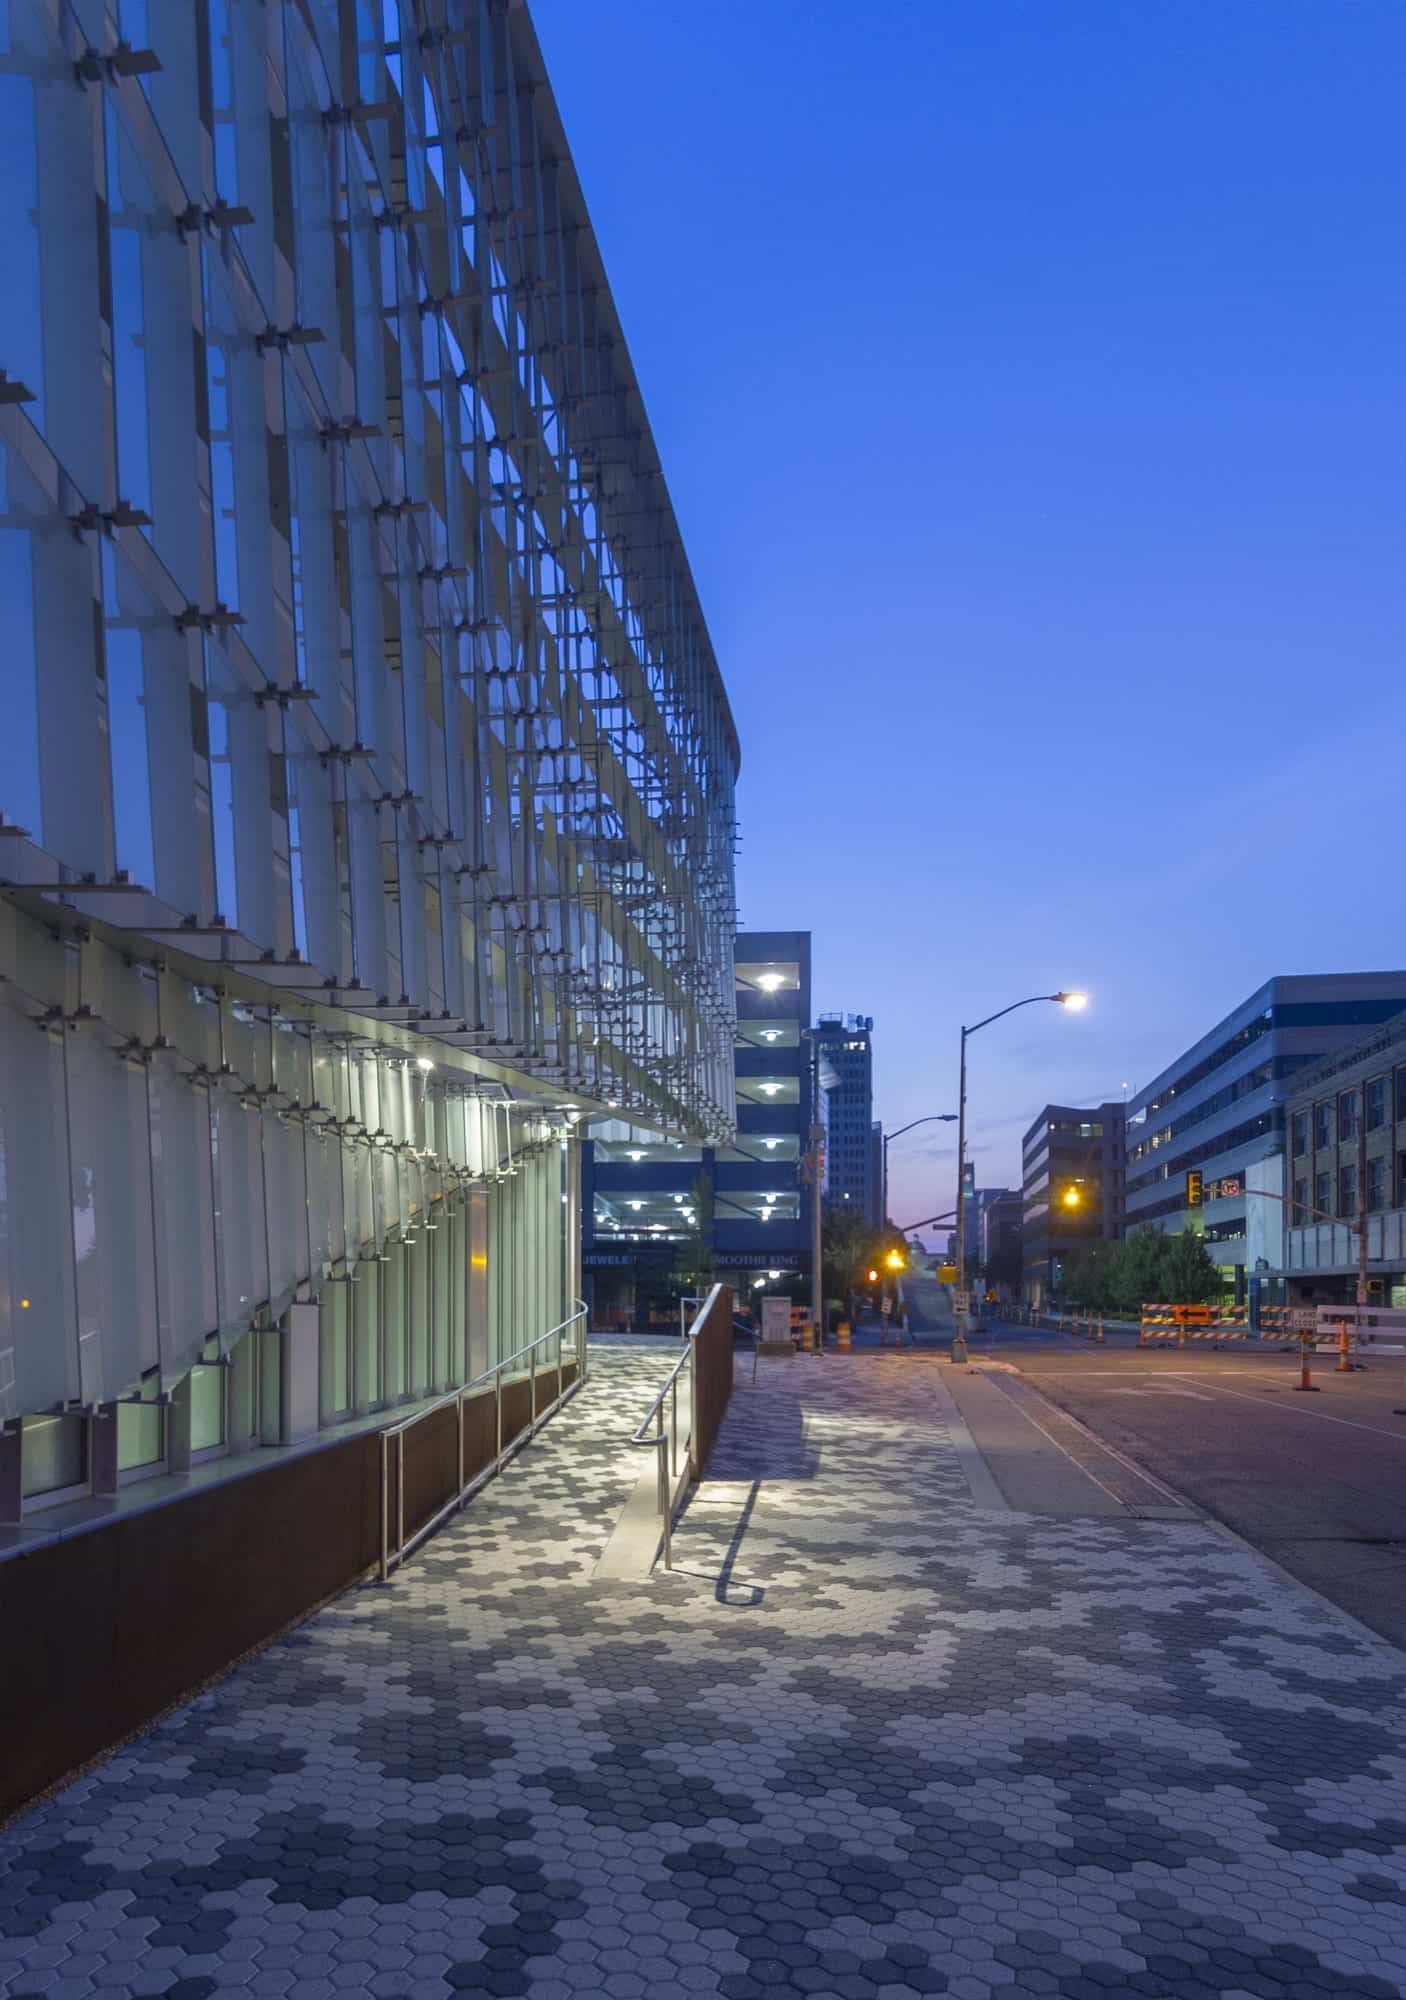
661	1216
971	1235
845	1044
366	777
1071	1189
1000	1217
1346	1126
1220	1109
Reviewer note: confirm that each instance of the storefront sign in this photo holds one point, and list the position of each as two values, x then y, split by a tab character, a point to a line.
621	1260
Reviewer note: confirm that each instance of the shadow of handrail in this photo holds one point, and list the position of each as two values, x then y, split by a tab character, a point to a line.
724	1582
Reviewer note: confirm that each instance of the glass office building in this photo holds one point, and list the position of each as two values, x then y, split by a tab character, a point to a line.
366	773
853	1142
1220	1108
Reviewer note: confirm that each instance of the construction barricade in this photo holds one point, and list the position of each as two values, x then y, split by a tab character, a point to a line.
1181	1323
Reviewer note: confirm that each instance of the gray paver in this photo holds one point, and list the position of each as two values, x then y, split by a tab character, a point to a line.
868	1739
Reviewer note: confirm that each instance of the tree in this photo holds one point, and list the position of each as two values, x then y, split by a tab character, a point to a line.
850	1248
1144	1268
695	1265
847	1248
1191	1278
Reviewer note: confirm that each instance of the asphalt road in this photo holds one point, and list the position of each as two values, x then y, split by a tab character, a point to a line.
1318	1482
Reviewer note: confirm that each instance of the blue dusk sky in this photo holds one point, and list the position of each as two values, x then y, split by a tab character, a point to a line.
1028	376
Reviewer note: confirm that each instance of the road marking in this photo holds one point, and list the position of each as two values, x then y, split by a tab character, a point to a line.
1322	1416
1165	1389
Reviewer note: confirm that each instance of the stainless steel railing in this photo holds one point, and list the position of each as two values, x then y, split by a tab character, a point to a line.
395	1548
651	1434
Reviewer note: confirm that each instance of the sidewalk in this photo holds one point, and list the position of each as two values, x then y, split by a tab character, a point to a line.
868	1740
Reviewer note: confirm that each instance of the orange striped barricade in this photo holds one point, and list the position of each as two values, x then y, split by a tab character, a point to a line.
1158	1322
1232	1323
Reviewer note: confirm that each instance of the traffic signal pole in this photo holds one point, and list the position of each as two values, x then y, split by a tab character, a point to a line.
1358	1227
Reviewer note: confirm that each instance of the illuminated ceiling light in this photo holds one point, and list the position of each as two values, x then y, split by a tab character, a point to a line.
771	1034
769	981
636	1156
636	1205
423	1062
768	1089
773	1274
771	1144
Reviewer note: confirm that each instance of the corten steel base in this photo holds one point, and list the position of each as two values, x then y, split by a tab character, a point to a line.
105	1629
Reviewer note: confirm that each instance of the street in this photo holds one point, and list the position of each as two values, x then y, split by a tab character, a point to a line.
1316	1481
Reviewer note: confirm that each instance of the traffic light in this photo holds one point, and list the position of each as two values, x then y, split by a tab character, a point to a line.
1193	1189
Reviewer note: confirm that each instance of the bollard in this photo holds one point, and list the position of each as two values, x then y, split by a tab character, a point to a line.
1344	1363
1304	1382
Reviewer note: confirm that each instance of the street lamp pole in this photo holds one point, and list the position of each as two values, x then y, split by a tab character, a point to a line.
934	1118
1074	1001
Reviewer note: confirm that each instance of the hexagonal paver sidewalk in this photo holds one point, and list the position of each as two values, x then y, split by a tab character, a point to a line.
865	1742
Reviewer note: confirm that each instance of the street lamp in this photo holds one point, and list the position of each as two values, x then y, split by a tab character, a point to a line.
934	1118
1076	1003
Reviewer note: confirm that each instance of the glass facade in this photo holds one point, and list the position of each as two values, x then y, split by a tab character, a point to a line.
367	776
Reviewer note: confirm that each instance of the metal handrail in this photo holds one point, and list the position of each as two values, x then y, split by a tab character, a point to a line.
659	1441
392	1555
